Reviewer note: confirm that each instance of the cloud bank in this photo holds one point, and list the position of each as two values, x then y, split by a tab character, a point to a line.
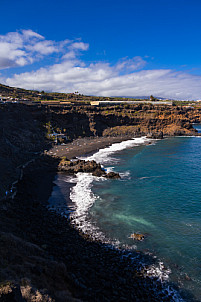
126	78
26	46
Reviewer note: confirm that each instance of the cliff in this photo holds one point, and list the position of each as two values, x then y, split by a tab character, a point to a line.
124	119
47	257
28	130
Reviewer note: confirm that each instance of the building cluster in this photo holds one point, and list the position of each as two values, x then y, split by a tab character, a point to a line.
10	99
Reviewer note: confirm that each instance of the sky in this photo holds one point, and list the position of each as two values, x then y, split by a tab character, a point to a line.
104	48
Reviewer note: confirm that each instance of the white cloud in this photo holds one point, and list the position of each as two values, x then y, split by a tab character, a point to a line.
12	50
43	47
26	46
127	64
74	50
104	79
30	34
69	55
125	78
79	46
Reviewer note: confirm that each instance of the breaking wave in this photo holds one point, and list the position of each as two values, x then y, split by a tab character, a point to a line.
81	194
83	199
104	156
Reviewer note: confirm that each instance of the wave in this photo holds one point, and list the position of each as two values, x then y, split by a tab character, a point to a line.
82	195
103	156
83	199
147	177
125	175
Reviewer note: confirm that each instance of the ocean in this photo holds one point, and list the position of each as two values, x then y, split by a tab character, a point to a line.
158	195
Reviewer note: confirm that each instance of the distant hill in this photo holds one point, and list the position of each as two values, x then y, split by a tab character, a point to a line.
33	95
16	92
20	93
140	97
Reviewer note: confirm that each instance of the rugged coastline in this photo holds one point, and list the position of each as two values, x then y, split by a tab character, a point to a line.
48	258
28	130
51	259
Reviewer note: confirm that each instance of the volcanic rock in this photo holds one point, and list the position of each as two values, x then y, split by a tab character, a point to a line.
136	236
155	135
112	175
79	165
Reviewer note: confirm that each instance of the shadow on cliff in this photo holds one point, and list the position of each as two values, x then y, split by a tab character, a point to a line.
48	259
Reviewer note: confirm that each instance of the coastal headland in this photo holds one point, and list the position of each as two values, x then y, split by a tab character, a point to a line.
43	257
49	259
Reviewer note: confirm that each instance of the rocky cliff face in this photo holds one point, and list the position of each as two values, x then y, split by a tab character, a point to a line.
125	119
22	137
24	132
47	257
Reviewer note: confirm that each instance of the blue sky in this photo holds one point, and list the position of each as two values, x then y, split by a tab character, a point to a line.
103	47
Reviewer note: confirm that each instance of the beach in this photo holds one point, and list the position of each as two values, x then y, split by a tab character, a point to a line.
85	146
60	261
54	258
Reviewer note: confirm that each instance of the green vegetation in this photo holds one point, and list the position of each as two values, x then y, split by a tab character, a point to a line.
38	96
184	103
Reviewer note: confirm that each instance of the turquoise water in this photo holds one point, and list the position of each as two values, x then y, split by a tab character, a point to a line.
161	198
159	195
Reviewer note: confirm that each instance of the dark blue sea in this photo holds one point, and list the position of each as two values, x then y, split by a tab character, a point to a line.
159	195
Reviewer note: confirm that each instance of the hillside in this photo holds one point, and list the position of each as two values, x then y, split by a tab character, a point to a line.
34	95
27	130
48	259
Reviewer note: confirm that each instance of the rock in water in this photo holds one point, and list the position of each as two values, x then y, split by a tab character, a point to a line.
99	172
79	165
112	175
136	236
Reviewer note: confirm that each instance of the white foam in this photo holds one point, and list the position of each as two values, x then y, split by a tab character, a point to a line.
83	199
82	195
103	156
159	271
147	177
125	175
109	169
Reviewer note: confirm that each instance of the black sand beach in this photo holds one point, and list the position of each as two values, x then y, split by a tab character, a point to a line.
50	259
84	146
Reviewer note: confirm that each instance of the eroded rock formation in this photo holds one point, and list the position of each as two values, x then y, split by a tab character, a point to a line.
89	166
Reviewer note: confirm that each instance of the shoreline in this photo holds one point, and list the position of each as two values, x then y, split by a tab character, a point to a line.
88	265
85	146
81	147
80	211
42	256
100	237
73	265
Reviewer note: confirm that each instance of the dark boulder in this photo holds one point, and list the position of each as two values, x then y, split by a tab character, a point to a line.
155	135
99	172
79	165
138	237
112	175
